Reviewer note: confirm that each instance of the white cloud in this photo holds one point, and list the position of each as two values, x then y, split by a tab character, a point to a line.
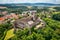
58	1
30	1
34	1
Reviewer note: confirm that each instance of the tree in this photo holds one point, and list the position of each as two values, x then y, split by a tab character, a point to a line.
3	30
56	16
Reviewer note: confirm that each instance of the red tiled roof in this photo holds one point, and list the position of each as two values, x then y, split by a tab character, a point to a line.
2	18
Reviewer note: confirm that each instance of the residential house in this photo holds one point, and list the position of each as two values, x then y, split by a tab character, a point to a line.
4	12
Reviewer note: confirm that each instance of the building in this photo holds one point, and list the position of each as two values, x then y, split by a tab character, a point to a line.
26	22
2	20
1	7
4	12
30	12
8	16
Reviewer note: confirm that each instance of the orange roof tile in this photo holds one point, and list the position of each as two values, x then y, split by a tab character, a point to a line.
2	18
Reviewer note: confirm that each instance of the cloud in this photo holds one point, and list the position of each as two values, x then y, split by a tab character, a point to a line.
30	1
57	1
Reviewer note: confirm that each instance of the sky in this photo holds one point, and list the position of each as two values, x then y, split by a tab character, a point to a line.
30	1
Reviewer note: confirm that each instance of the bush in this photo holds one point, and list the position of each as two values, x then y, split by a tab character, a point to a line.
3	30
56	16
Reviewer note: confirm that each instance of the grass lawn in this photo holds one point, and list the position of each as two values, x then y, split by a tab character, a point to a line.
9	34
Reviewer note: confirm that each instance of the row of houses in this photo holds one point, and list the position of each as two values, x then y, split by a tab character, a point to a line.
28	13
8	16
3	12
13	15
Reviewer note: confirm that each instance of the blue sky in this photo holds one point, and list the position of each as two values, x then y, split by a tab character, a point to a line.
30	1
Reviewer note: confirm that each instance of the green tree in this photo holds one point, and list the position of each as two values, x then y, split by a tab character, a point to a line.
56	16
